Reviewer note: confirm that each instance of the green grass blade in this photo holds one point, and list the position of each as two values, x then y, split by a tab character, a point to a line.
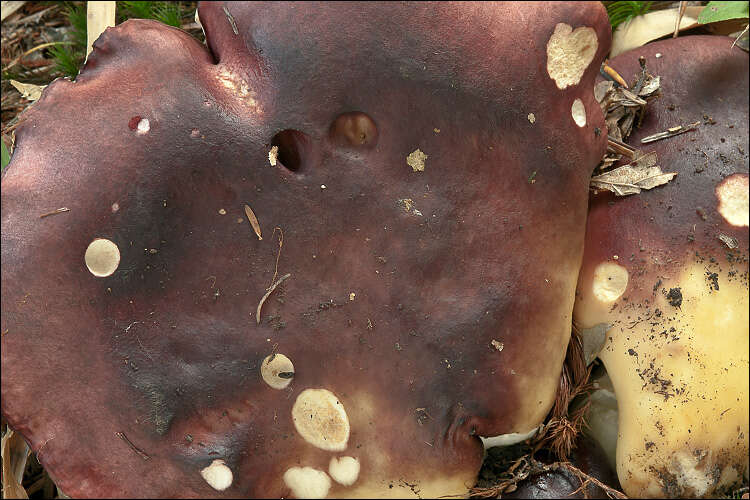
5	156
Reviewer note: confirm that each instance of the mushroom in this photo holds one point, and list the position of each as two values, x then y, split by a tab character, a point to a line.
407	308
668	268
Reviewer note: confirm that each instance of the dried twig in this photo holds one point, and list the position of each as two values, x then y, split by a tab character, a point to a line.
133	447
613	75
740	36
54	212
680	13
281	243
620	147
268	293
531	467
671	132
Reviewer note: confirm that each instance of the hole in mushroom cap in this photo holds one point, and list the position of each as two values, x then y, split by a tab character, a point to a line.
578	111
344	470
102	257
569	53
277	371
292	146
321	420
610	281
306	482
355	130
218	475
733	199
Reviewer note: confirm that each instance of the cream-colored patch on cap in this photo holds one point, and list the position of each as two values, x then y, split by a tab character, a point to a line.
578	112
277	371
416	160
102	257
306	482
143	127
569	53
531	117
321	420
344	470
610	281
218	475
733	199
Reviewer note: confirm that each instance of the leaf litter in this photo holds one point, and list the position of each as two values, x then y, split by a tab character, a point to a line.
624	108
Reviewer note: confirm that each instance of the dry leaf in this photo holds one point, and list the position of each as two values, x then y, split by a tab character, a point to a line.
593	340
650	87
15	451
9	8
416	160
642	29
253	221
28	90
603	88
642	173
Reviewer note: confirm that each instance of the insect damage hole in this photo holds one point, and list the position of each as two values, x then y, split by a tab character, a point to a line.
292	148
355	130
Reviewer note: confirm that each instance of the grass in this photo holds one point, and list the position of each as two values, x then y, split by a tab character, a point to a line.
68	59
624	11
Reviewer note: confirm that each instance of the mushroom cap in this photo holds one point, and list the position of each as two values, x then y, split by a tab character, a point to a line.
657	266
400	269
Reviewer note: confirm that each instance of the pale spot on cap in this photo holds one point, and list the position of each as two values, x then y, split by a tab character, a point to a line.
306	482
578	112
321	420
344	470
569	53
115	207
143	127
277	371
102	257
733	199
218	475
610	281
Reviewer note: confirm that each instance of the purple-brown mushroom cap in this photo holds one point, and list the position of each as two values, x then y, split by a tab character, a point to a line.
429	181
668	270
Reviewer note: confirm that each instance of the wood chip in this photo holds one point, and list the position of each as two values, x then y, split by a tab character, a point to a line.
671	132
99	17
253	221
732	243
643	173
268	293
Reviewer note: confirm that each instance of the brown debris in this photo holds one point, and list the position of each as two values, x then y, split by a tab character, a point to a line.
253	221
563	427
